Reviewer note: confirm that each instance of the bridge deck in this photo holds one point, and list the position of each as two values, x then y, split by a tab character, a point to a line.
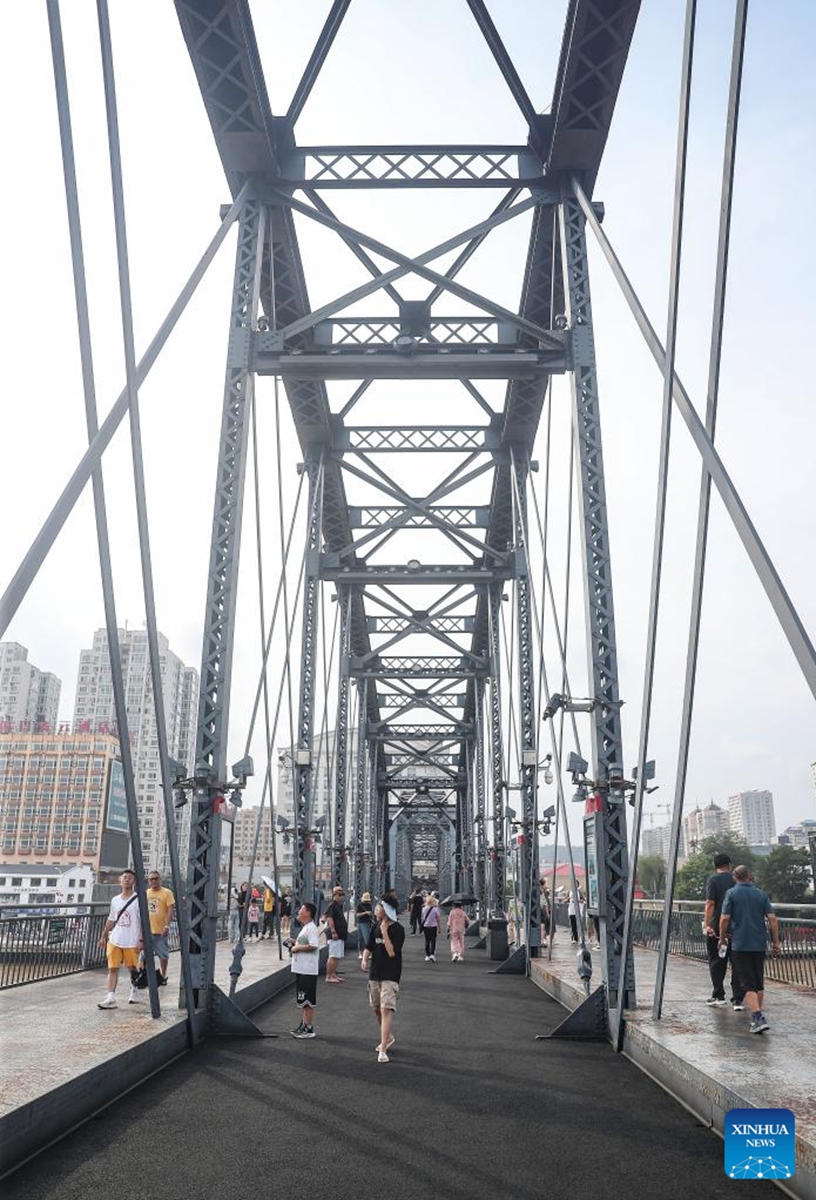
469	1106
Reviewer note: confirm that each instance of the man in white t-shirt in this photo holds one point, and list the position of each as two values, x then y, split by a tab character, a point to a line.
122	936
305	966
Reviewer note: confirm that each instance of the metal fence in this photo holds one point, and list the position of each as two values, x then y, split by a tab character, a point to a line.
62	941
797	931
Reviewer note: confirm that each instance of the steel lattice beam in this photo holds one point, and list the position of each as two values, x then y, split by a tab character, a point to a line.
307	348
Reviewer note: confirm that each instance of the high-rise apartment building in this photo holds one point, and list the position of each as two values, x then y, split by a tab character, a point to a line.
29	698
658	841
94	710
751	815
244	828
57	801
703	823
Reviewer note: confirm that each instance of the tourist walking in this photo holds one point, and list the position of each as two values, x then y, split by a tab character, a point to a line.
122	937
161	906
430	921
365	922
576	904
337	932
744	912
457	924
286	911
305	951
415	909
382	958
234	931
268	929
717	886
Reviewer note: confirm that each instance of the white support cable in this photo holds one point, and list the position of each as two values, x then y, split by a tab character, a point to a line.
264	671
267	787
280	526
562	649
557	763
268	645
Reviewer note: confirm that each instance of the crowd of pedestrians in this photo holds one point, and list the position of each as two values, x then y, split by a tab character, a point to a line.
736	921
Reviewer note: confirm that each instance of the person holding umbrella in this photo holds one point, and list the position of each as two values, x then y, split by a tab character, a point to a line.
457	924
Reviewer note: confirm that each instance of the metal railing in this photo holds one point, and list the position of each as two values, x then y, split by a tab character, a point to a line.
797	932
60	941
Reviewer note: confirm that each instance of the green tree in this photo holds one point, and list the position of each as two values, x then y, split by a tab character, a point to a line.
651	873
691	878
784	874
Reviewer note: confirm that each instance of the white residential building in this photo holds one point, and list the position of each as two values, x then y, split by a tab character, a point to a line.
705	822
94	711
29	698
30	884
797	835
658	841
751	815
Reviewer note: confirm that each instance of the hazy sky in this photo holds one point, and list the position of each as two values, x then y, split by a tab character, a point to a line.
421	73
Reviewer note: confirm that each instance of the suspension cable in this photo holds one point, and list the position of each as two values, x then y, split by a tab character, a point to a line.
557	761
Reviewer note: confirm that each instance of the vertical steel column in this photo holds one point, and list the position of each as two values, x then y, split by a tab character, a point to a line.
219	617
340	868
460	834
498	899
369	799
528	733
382	801
361	791
607	743
480	858
303	867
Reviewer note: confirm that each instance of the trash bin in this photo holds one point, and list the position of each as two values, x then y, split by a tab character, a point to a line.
497	945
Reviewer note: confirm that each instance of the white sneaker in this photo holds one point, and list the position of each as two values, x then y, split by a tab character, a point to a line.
134	996
108	1002
433	958
427	958
383	1057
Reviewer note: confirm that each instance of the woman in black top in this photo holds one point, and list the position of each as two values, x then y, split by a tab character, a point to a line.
365	921
286	911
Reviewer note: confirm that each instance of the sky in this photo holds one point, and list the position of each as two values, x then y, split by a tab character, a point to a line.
428	77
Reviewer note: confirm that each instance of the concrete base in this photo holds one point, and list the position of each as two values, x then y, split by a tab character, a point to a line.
50	1114
693	1050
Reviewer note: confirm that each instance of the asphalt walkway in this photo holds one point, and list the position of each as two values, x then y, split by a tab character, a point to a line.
469	1106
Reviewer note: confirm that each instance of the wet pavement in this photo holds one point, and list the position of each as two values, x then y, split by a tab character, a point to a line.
52	1031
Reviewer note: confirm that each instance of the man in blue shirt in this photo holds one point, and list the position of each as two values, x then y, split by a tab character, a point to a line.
718	886
744	911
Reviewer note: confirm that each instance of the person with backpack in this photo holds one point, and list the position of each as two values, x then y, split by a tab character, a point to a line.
122	937
431	917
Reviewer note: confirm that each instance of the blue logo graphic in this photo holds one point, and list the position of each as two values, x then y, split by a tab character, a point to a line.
759	1143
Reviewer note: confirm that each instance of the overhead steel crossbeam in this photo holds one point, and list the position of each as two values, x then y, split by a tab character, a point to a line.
311	348
480	332
352	167
459	516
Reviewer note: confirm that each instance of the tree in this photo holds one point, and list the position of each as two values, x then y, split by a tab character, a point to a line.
691	879
651	873
784	874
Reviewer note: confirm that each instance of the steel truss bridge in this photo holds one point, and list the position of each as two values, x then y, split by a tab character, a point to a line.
436	568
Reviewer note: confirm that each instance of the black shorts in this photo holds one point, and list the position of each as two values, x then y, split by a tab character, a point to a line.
749	968
306	990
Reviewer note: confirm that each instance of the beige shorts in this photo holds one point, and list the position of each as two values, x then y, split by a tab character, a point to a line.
383	994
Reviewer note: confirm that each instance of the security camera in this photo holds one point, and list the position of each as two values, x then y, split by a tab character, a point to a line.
577	765
243	769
